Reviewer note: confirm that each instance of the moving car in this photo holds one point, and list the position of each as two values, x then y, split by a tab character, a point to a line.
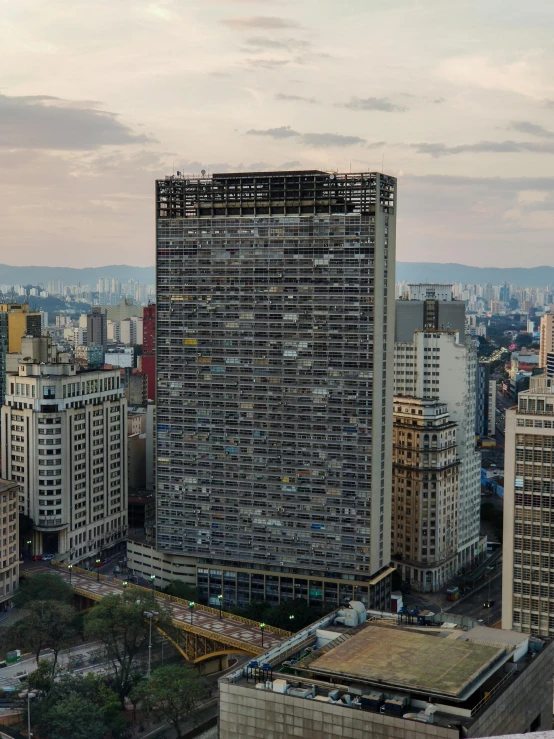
37	557
47	557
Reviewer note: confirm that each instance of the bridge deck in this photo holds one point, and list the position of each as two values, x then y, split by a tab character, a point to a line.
222	629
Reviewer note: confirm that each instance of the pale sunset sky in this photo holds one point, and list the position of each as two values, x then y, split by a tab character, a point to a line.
100	97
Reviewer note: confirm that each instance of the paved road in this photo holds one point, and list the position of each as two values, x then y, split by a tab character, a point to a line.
472	604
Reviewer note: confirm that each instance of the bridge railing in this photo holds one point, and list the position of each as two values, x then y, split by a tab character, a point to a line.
178	601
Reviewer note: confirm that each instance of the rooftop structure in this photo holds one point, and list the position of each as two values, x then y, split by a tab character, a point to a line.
402	676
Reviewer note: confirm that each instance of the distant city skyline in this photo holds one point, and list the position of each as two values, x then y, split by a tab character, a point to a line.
455	100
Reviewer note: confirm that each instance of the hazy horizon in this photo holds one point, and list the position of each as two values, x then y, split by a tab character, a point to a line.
99	99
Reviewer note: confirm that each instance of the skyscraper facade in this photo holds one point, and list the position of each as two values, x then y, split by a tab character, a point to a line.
425	490
275	305
149	348
546	338
528	555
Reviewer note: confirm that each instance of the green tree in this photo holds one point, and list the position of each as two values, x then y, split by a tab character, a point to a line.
118	622
42	679
73	717
44	586
180	589
174	691
47	624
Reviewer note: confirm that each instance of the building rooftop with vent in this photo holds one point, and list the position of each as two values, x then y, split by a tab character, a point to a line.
357	674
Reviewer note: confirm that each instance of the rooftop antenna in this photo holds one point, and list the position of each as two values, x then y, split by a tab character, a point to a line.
383	164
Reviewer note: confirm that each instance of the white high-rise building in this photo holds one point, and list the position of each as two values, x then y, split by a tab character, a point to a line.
65	445
441	365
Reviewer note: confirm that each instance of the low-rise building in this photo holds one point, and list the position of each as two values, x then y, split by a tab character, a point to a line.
345	676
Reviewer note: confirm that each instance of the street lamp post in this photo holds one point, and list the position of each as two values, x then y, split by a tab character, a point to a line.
150	615
70	567
191	606
98	570
29	542
291	619
220	601
124	584
29	696
152	579
262	627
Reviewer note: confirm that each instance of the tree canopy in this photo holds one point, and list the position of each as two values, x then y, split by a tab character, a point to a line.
62	693
119	623
44	586
46	624
73	717
180	589
280	616
174	691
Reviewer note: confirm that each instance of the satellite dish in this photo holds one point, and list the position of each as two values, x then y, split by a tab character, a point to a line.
203	172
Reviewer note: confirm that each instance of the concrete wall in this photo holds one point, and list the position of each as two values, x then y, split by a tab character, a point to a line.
258	714
519	705
145	560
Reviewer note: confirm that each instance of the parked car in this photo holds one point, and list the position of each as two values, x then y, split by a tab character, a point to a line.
48	557
37	557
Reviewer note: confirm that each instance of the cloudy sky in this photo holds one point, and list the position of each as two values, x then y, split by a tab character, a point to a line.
100	97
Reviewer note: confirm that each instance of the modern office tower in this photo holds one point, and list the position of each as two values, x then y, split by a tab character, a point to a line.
274	413
425	493
149	348
9	540
547	338
482	399
64	442
442	365
97	327
504	296
528	565
428	306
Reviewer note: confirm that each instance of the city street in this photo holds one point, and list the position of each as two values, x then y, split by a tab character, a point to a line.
472	604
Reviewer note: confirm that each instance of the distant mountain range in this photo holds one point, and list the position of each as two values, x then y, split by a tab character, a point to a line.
87	276
437	272
405	271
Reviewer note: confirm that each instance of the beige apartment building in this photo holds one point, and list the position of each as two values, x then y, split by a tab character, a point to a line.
64	442
528	548
425	493
9	541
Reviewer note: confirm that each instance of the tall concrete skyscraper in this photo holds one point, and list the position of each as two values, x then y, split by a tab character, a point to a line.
528	558
274	349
